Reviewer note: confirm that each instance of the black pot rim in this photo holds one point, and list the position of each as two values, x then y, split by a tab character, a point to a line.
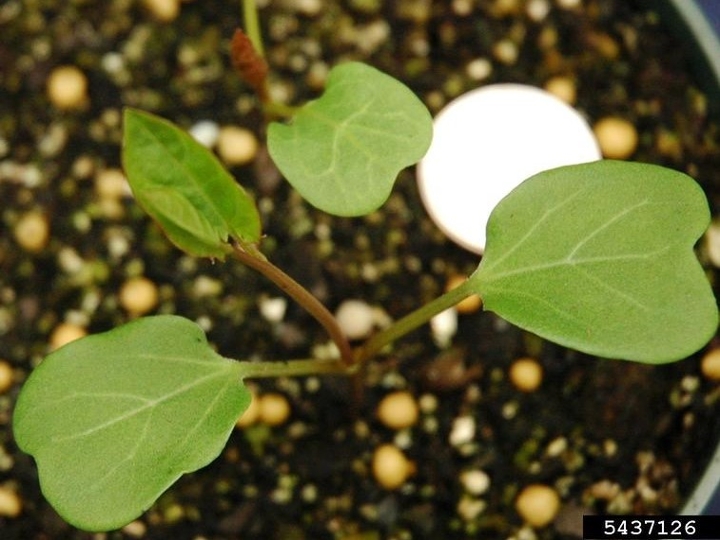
698	22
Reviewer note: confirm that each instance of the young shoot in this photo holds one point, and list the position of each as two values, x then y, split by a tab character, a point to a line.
598	257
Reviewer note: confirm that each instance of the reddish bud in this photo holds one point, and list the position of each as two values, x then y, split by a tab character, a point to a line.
248	63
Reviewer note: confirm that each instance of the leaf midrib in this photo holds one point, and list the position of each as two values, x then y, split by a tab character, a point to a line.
195	184
148	404
569	259
576	263
179	447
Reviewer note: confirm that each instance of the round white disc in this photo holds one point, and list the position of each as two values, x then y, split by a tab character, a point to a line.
485	143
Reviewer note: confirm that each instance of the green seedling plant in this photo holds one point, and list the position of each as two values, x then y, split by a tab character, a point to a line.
598	257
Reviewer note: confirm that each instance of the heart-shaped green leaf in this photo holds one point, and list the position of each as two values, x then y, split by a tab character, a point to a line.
184	188
114	419
343	151
599	257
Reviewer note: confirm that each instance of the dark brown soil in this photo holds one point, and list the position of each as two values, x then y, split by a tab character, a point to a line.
647	431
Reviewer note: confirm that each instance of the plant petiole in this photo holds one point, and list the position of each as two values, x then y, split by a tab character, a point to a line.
277	110
413	320
295	368
301	295
252	25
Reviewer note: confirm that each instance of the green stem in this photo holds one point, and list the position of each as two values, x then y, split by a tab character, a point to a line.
294	368
255	260
274	109
412	320
252	25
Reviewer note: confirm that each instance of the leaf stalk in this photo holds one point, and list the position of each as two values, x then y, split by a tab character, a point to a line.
295	368
301	295
413	320
252	25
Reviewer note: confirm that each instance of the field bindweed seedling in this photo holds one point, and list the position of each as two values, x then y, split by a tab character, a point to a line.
598	257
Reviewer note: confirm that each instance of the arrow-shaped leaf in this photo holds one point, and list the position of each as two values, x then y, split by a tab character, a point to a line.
114	419
183	186
343	151
599	257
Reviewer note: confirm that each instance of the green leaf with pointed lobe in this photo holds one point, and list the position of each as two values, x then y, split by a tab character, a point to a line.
343	151
185	188
114	419
599	257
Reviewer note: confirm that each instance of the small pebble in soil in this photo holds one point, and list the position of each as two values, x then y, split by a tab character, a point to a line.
7	376
604	490
356	318
403	439
444	326
428	403
274	409
114	64
525	533
67	87
475	482
206	132
669	143
163	10
284	491
537	10
309	493
135	529
469	508
64	333
710	364
610	447
622	503
689	384
526	374
462	8
390	467
510	409
398	410
712	243
138	295
83	167
562	87
32	231
479	69
463	431
111	184
310	8
506	51
537	505
70	261
10	502
53	140
173	513
207	287
616	136
557	447
110	208
569	4
273	309
236	145
467	305
506	8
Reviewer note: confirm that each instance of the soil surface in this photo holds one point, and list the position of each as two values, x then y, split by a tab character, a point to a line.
607	436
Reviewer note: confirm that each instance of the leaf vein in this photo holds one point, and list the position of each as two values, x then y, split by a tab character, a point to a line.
546	215
567	262
605	226
148	404
130	456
